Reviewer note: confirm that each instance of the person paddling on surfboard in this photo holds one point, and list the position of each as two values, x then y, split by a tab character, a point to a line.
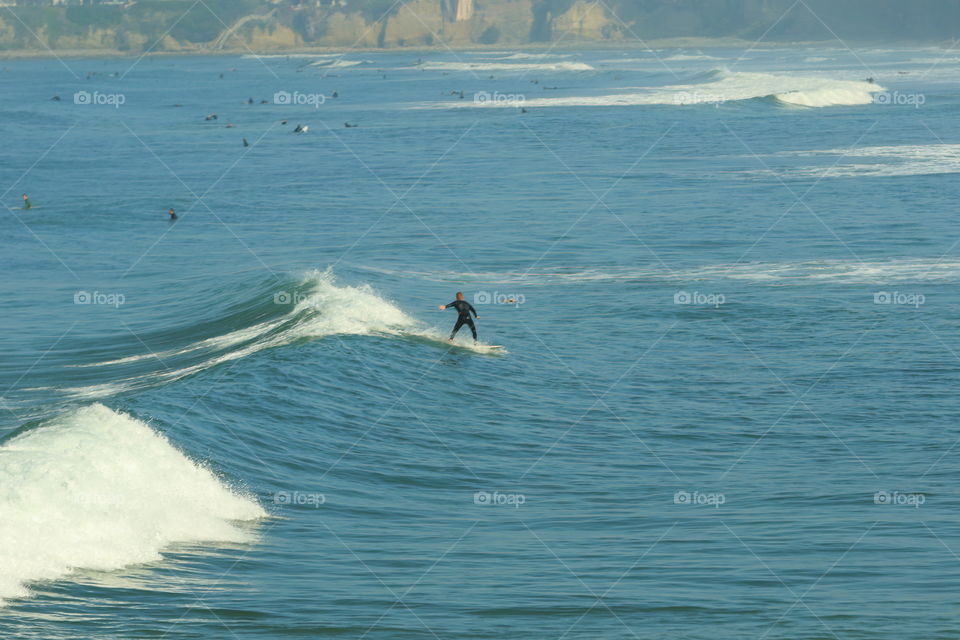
463	308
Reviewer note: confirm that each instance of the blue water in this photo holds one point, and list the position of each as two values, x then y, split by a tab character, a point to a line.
725	406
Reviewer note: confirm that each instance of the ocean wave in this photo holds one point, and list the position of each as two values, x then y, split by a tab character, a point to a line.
683	57
311	308
887	161
505	66
97	489
807	272
719	86
534	56
339	64
268	56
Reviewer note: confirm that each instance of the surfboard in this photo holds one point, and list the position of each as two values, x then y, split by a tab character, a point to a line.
487	349
480	348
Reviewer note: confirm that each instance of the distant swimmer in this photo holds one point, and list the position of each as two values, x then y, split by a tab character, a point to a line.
464	309
173	214
212	116
245	143
26	202
301	128
350	126
335	95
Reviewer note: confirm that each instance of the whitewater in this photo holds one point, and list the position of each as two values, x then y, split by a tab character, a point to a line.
725	282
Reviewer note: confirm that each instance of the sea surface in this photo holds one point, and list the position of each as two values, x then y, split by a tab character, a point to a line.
724	284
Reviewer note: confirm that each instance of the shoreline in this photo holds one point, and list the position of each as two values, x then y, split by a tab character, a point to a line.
621	45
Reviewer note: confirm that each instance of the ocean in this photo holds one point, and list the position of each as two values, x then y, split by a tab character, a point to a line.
722	287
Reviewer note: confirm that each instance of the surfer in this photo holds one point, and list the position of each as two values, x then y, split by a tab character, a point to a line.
464	309
173	214
26	202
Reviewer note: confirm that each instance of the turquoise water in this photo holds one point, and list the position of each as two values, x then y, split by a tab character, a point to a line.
725	406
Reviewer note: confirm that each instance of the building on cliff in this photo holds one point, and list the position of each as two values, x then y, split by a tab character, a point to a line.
464	10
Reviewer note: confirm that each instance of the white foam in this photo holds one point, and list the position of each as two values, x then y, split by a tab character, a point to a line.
338	64
534	56
97	489
828	97
840	271
888	161
682	57
323	308
725	86
505	66
291	55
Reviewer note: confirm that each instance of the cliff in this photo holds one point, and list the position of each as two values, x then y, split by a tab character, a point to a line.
284	25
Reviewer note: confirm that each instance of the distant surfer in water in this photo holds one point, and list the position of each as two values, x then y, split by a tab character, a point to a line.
463	308
26	202
173	214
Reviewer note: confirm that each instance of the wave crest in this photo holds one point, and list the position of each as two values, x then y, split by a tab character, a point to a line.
96	489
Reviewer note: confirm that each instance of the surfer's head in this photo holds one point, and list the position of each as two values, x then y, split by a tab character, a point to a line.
459	295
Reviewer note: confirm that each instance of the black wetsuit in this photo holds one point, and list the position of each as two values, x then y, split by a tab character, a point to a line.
464	308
